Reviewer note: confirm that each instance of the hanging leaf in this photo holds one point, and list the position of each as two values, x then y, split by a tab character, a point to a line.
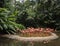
5	26
1	28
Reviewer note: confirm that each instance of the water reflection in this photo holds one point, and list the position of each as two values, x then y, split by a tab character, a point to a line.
10	42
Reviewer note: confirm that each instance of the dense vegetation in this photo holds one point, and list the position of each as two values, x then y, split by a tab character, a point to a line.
39	13
6	25
31	13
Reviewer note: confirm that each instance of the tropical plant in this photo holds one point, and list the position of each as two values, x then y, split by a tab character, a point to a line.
6	25
43	13
50	10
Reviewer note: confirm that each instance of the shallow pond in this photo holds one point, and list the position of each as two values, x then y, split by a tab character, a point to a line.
10	42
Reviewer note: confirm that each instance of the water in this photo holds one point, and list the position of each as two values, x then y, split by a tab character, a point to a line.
10	42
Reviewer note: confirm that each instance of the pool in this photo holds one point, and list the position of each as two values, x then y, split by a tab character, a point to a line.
10	42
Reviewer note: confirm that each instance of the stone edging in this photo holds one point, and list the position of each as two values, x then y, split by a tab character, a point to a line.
16	37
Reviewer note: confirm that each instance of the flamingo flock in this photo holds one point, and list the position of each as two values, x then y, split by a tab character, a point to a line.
36	31
31	30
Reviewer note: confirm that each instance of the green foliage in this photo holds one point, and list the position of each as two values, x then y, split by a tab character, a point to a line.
10	5
21	18
51	13
31	13
43	13
18	26
12	16
6	25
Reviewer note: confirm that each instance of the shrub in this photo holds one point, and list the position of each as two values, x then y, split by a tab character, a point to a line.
18	26
45	13
7	26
